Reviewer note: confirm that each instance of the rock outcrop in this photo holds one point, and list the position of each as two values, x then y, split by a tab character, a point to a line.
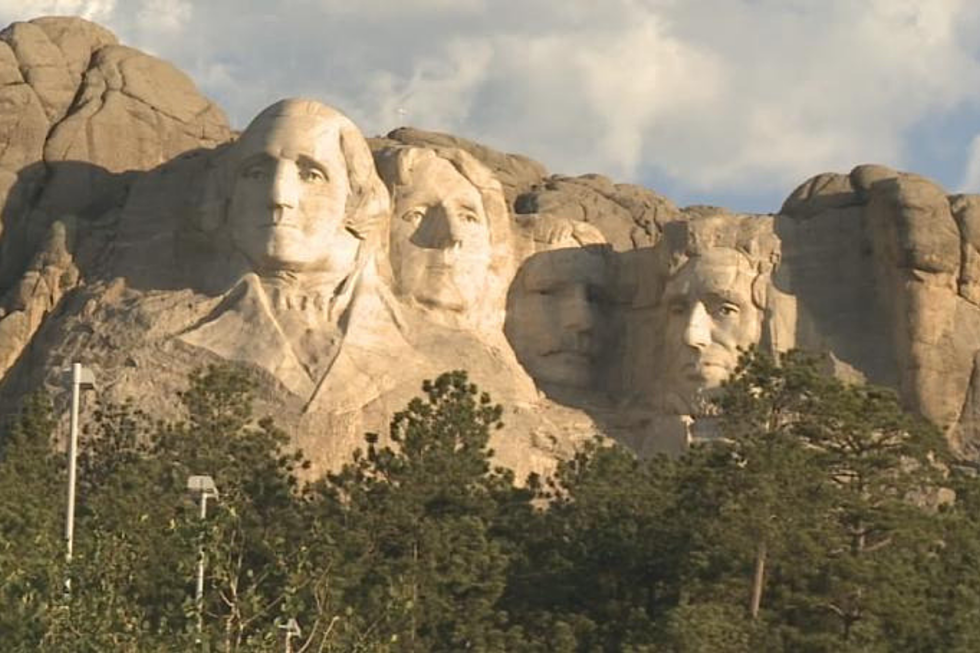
143	238
79	115
899	305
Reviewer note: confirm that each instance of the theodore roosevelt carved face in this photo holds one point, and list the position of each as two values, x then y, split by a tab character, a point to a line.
555	317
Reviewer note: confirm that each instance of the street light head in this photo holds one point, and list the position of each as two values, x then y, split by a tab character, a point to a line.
87	379
202	484
78	375
290	627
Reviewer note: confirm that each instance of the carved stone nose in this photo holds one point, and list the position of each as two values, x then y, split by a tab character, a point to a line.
439	230
577	311
284	193
697	333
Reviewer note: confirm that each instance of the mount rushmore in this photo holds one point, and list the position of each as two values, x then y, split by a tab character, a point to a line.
142	236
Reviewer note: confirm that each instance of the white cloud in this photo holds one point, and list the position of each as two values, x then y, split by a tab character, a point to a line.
719	96
970	183
97	10
387	8
440	90
164	15
823	86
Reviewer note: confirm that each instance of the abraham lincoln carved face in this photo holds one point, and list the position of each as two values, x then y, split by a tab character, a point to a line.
713	305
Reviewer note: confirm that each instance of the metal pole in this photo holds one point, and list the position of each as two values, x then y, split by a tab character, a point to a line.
199	596
76	382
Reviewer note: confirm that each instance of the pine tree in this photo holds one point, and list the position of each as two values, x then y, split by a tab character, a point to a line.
813	511
954	579
420	521
31	526
254	535
598	568
138	531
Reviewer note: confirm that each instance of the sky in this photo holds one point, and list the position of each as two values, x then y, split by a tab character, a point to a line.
725	102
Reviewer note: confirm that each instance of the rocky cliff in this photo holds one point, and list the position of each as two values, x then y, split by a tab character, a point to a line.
142	237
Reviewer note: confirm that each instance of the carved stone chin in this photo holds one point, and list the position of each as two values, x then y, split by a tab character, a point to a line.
710	317
440	238
301	203
288	188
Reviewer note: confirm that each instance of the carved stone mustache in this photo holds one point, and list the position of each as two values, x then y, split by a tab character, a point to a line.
581	343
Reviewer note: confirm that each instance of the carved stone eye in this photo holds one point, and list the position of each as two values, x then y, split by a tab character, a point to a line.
414	216
312	175
595	294
677	308
728	309
254	171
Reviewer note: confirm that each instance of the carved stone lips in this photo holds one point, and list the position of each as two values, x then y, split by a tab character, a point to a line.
698	370
571	360
582	353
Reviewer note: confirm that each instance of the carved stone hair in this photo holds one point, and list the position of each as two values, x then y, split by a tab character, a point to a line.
368	204
750	235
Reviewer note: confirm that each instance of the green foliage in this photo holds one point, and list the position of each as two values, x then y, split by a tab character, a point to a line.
597	569
820	519
255	563
420	518
31	545
814	510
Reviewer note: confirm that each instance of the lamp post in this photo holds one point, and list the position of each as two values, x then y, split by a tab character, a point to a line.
204	488
79	378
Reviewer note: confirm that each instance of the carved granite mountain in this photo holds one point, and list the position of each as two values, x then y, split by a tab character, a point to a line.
900	304
143	238
79	114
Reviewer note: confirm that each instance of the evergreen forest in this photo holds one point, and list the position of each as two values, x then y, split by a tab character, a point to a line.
823	519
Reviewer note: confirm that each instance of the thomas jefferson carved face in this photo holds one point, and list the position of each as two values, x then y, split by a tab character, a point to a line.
710	316
554	318
440	245
289	194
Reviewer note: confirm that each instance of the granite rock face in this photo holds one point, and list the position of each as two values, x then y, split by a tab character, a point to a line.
79	115
899	305
141	237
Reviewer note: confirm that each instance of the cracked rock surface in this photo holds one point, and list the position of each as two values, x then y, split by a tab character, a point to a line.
79	115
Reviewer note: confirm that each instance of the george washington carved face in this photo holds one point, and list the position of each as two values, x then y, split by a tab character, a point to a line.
289	195
300	189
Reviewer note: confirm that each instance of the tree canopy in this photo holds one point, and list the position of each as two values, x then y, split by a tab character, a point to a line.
821	518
